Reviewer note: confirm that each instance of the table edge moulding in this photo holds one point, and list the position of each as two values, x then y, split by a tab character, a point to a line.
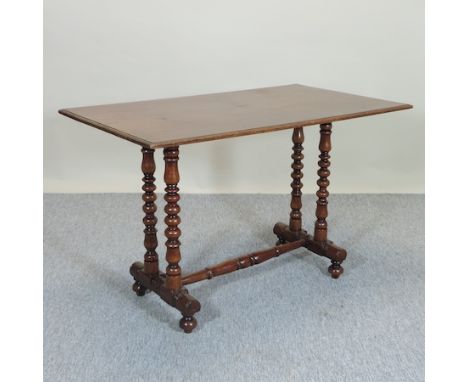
177	121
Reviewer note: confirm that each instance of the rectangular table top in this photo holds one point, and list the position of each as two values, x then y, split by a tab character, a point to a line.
176	121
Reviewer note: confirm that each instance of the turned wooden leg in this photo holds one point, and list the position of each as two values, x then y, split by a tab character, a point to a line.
293	232
147	275
295	217
149	208
172	209
320	232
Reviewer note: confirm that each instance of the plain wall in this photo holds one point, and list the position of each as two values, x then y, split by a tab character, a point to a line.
98	52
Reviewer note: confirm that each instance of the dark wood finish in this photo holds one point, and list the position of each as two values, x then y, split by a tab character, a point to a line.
335	269
151	266
295	217
147	276
168	123
179	299
178	121
321	212
172	209
322	248
285	235
188	323
139	288
241	262
321	225
149	208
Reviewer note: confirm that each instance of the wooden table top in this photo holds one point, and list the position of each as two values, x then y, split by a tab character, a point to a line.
178	121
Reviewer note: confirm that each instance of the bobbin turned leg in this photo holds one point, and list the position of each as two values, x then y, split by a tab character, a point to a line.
149	208
172	232
295	217
147	275
321	226
317	243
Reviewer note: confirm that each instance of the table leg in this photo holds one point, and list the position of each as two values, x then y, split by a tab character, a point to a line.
317	243
295	217
321	226
172	209
295	230
149	208
172	232
147	275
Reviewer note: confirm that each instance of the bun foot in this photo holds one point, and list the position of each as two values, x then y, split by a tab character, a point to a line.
335	269
139	288
188	323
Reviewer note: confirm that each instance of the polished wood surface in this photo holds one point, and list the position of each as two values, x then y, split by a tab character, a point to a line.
148	168
322	248
241	262
172	220
173	122
321	212
179	299
177	121
295	217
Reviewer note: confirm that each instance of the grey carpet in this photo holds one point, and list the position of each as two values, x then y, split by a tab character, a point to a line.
284	320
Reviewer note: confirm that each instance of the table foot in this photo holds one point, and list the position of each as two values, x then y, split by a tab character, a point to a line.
188	323
179	299
139	288
324	248
335	269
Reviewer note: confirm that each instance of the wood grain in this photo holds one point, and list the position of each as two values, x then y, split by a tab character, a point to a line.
178	121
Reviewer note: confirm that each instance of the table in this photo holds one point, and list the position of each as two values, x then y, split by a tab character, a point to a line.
169	123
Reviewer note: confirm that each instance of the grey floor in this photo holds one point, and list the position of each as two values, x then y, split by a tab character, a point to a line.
285	320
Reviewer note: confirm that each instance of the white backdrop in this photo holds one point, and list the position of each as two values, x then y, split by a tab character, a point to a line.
98	52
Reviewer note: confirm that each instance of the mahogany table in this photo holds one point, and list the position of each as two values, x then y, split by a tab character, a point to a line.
169	123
